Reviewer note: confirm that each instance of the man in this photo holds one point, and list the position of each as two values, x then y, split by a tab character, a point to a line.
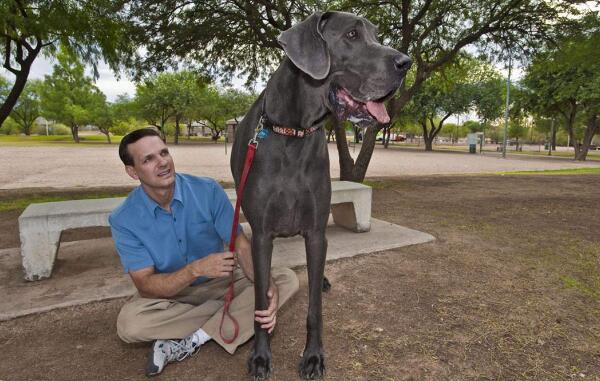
169	234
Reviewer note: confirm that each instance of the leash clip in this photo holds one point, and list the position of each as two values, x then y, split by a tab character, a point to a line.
259	132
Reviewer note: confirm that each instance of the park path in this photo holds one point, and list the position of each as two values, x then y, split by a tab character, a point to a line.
94	166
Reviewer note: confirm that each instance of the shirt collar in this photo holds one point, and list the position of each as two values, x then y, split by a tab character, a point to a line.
152	206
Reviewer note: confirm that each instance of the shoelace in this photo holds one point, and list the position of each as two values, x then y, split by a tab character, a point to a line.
181	349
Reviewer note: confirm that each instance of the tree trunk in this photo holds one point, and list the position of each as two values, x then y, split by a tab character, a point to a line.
346	161
428	143
385	140
590	131
106	132
570	120
27	129
349	169
176	130
189	129
329	133
20	81
75	132
428	136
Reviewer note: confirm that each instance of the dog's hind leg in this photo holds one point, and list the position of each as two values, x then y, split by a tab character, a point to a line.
260	360
326	284
312	364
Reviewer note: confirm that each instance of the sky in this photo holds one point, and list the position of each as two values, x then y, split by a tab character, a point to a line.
107	82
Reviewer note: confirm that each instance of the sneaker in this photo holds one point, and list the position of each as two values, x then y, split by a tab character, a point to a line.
166	351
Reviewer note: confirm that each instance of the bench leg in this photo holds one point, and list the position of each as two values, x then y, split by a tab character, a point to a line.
355	216
38	249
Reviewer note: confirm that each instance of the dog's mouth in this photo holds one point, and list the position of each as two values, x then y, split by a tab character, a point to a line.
364	114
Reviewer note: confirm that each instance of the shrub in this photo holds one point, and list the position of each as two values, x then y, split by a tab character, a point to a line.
10	127
123	127
59	129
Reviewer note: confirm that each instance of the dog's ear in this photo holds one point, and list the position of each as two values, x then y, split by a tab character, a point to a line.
304	45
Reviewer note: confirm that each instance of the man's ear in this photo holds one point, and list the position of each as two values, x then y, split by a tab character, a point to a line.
304	45
131	172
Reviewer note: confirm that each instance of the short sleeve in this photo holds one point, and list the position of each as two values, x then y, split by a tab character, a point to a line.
222	213
134	256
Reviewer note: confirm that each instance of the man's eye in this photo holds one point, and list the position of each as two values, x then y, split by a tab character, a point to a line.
352	35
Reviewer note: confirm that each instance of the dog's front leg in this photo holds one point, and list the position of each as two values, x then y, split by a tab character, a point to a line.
259	363
312	364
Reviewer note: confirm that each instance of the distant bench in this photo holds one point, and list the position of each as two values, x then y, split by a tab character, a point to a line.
41	225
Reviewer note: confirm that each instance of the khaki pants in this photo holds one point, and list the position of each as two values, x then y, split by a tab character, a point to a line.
201	306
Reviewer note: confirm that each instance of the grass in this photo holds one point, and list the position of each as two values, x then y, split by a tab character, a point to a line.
23	202
592	155
96	140
585	274
34	140
571	171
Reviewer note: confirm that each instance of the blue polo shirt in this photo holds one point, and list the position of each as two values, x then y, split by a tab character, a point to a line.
199	224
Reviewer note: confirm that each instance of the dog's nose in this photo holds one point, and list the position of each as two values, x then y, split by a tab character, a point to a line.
402	62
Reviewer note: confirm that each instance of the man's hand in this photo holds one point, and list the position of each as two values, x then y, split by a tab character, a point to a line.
214	265
267	318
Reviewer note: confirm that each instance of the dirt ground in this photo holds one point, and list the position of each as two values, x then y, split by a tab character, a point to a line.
510	290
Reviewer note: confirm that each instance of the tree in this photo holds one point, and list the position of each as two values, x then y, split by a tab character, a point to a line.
565	82
124	107
229	36
216	106
517	130
100	112
448	92
27	108
188	87
9	127
68	96
91	30
489	99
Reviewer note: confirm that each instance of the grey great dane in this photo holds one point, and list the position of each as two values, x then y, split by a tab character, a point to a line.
334	64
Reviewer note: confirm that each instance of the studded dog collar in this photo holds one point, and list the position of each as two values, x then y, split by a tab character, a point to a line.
288	131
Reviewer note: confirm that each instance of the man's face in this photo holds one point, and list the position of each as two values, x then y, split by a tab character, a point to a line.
152	163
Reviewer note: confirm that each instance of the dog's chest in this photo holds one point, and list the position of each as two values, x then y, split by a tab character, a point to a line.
289	186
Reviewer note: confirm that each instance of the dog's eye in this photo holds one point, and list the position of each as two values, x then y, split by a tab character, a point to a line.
352	35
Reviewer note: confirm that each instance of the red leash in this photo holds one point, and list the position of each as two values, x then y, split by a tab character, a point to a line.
236	217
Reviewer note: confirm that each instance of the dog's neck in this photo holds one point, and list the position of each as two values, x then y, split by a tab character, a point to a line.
294	99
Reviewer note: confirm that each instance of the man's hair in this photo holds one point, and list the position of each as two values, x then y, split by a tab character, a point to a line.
131	138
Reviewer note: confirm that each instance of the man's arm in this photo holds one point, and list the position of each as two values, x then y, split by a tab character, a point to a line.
243	248
165	285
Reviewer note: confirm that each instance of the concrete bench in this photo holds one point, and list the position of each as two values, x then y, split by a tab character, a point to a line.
41	225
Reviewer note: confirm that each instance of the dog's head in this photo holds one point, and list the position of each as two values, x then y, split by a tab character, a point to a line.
342	50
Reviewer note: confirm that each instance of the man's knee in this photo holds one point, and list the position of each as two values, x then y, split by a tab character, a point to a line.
130	326
286	281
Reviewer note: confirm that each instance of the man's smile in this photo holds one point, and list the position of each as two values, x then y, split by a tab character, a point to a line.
165	173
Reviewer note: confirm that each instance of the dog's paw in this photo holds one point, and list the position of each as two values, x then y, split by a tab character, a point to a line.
260	365
312	365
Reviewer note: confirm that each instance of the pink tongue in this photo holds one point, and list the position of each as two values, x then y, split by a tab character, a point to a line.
377	109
